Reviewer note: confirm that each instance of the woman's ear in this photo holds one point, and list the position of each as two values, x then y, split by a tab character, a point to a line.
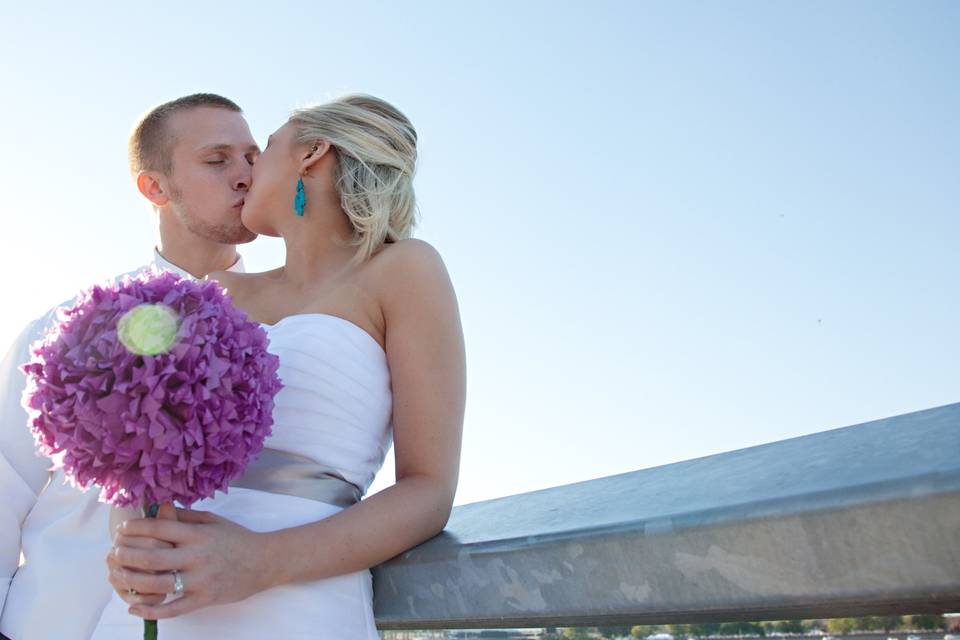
314	155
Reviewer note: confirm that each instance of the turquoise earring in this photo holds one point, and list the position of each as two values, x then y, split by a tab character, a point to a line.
300	200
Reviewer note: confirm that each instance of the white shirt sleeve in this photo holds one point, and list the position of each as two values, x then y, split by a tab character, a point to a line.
23	471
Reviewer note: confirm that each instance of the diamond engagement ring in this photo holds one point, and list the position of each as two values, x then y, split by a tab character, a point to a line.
177	583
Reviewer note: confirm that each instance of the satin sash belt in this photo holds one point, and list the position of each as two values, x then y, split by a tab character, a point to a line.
276	471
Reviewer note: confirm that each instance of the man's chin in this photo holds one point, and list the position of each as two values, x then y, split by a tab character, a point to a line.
236	235
247	237
228	232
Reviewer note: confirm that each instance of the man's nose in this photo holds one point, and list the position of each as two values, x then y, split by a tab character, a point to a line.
244	179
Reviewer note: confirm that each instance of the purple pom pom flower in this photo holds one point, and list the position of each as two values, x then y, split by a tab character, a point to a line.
156	389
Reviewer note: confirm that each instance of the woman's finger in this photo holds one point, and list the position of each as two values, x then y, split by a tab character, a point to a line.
169	530
142	542
133	542
174	608
122	585
198	516
150	559
147	583
139	598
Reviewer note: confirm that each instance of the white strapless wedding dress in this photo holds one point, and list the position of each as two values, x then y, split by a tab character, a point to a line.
335	408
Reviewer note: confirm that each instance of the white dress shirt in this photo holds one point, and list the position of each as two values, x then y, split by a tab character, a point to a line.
54	537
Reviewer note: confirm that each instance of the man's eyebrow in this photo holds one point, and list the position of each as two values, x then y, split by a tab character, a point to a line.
222	146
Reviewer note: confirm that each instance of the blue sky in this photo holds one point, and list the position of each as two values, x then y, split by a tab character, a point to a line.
675	228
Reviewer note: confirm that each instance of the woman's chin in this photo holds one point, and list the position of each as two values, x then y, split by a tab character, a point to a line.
249	220
269	233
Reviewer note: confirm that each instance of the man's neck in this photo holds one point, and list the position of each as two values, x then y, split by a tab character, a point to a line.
197	256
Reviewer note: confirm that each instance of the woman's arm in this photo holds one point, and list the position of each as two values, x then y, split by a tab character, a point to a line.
426	356
425	352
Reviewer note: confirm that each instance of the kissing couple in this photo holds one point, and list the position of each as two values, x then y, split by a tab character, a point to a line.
365	323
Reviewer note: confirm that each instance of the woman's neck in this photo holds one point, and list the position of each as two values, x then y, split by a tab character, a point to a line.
318	245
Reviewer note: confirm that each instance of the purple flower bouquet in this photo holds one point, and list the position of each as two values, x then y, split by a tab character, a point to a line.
156	389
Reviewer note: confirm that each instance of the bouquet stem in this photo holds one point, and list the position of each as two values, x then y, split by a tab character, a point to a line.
150	626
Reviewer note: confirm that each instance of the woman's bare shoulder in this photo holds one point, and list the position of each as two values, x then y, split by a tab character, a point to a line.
398	258
408	271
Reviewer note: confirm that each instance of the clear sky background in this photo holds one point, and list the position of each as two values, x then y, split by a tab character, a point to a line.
675	228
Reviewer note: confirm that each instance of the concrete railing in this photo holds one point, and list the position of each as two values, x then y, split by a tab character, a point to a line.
861	520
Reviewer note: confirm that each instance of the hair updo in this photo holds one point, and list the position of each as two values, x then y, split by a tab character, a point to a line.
376	149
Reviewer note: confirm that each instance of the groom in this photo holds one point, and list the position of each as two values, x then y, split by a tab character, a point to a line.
191	159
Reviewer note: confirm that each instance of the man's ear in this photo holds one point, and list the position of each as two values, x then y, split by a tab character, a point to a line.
314	155
148	182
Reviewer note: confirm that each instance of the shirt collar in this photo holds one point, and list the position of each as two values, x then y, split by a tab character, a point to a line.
163	263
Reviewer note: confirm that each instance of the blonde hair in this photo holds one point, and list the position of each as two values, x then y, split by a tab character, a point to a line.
376	149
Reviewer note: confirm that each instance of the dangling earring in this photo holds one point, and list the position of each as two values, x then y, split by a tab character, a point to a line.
300	200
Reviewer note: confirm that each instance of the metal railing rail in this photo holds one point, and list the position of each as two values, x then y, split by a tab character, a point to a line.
860	520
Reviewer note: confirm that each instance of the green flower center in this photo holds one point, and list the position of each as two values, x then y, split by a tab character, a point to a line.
148	329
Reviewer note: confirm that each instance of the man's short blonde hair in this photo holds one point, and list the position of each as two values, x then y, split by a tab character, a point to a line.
150	146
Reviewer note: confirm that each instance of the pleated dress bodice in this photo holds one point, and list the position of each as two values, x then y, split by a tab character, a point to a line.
335	406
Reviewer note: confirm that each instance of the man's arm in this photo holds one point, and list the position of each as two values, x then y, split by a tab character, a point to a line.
23	473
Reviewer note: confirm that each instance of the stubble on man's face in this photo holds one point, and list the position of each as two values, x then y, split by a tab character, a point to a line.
230	232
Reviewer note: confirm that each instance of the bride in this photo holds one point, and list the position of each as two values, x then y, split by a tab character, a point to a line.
366	325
